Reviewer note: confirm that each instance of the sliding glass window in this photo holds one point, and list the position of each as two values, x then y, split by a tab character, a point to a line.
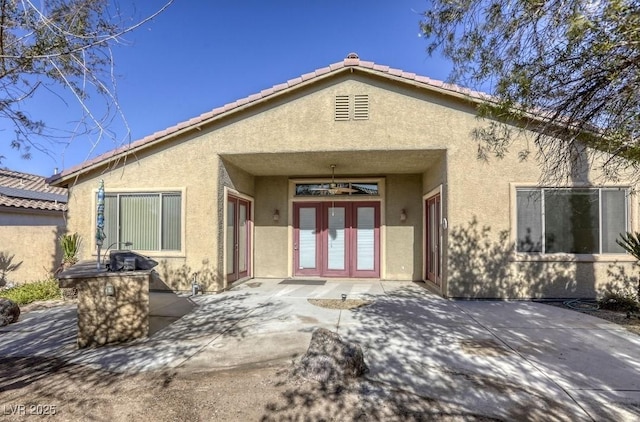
576	221
151	221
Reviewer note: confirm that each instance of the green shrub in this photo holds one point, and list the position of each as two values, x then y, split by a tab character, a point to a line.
619	300
630	242
6	266
70	244
31	292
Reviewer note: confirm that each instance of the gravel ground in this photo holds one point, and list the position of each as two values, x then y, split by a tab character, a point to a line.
340	304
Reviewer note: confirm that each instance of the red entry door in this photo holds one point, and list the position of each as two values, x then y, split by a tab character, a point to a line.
238	245
337	239
432	239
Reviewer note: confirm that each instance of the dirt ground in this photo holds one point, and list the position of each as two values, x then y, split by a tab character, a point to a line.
38	388
35	389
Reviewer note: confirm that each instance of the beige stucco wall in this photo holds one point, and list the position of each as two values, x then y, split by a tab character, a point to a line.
403	239
481	259
31	238
476	201
272	256
305	123
191	167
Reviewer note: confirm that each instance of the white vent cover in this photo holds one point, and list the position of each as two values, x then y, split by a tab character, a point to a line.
348	107
361	107
342	107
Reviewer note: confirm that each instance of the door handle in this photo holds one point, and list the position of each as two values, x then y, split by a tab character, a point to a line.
295	246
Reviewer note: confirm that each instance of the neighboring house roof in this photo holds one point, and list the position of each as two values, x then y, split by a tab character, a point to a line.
350	63
28	191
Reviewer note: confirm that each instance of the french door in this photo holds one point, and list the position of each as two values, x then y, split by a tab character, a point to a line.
238	242
432	239
337	239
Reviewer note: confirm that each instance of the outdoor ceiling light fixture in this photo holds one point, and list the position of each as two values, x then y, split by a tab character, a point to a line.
334	188
276	215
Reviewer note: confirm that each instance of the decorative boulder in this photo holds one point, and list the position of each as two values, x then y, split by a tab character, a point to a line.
330	359
9	312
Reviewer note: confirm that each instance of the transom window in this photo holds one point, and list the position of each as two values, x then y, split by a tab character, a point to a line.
151	221
576	221
332	189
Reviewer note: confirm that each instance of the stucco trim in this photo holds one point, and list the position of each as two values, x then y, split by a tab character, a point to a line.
566	257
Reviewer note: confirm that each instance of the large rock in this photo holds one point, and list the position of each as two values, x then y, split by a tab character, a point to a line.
9	312
330	359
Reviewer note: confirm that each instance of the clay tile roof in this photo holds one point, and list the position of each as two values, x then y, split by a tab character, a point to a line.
351	61
28	191
322	71
308	76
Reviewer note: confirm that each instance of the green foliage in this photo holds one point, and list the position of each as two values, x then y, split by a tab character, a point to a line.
70	244
568	70
6	266
31	292
620	300
62	45
631	243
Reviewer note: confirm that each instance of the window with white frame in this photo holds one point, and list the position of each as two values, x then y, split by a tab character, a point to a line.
151	221
576	220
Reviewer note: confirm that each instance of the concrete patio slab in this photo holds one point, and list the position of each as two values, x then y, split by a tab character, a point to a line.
435	353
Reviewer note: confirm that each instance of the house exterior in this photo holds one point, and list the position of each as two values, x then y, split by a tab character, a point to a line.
32	217
355	170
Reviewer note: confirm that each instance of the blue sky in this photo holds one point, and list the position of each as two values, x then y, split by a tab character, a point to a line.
193	58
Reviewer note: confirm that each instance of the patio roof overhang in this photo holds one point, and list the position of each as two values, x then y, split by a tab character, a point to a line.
348	163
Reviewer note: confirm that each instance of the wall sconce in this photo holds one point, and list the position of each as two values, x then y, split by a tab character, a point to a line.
276	215
109	290
403	215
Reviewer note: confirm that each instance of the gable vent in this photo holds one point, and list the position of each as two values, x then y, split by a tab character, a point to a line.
352	107
361	107
342	107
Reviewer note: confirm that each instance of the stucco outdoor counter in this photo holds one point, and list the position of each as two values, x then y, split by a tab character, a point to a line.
112	306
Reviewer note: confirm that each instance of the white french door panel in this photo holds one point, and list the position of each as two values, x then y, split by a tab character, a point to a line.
336	242
338	239
365	234
308	230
